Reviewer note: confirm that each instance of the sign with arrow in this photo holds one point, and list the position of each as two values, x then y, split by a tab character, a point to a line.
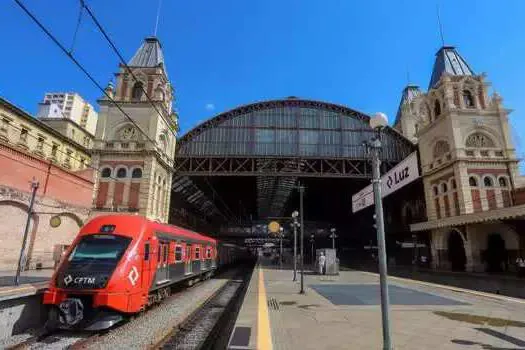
399	176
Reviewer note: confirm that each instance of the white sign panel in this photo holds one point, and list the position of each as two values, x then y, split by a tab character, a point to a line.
398	177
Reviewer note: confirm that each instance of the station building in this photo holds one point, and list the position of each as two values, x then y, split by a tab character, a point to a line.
31	149
474	204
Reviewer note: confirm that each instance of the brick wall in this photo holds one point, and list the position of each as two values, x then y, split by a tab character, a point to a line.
56	183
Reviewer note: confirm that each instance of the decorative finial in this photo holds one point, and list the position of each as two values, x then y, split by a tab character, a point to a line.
157	20
440	27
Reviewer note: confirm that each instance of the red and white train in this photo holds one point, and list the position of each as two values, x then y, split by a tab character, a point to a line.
120	264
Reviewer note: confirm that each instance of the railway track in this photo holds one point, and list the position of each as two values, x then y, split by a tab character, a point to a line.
194	332
210	325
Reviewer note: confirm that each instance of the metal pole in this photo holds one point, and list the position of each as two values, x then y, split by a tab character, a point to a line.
313	257
281	248
301	191
34	187
295	249
385	307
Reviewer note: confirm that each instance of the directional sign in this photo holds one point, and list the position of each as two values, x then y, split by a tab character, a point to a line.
399	176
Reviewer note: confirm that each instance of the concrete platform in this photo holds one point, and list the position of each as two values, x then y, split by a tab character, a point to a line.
31	282
343	312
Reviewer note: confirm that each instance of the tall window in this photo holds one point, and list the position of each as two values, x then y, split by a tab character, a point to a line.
468	100
487	181
137	173
121	173
437	109
502	182
23	135
136	93
472	181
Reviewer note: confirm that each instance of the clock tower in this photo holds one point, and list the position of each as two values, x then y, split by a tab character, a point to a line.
135	138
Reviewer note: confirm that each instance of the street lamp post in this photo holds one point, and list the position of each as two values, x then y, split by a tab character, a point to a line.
295	214
333	237
281	230
378	122
301	215
312	241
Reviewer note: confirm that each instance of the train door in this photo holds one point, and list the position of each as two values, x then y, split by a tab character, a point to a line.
146	268
162	263
189	259
214	257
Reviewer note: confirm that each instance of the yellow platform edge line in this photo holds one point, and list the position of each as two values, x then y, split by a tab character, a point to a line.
264	336
452	288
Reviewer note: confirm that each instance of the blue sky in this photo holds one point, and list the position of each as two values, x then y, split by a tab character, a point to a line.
221	54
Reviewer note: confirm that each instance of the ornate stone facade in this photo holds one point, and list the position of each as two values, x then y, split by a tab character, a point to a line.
468	160
135	141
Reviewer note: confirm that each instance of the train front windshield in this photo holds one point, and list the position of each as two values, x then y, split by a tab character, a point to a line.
99	247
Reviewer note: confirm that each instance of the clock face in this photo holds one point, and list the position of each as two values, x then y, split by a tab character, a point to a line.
128	133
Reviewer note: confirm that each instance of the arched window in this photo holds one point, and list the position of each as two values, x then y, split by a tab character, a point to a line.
122	173
416	128
136	93
468	100
437	109
472	181
106	172
444	188
502	182
487	181
137	173
441	148
453	184
436	191
479	140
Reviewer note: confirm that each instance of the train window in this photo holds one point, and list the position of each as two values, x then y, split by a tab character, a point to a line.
166	252
208	253
178	253
159	252
146	251
197	253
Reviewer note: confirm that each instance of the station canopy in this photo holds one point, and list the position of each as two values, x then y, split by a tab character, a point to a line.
244	164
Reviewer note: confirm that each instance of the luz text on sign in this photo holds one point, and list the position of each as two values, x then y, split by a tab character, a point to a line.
399	176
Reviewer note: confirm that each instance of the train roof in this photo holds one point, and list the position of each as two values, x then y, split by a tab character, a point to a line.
126	224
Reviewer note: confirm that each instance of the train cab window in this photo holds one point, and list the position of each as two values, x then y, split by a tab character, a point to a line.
108	248
208	253
146	251
178	253
197	253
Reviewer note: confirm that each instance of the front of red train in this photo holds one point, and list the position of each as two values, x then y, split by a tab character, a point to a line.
99	277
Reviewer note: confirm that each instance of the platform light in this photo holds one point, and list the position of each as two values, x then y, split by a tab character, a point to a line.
378	121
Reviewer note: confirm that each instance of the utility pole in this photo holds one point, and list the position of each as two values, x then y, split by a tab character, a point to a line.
377	123
34	188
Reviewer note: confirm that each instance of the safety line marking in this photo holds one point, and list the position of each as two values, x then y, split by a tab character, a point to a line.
264	337
455	289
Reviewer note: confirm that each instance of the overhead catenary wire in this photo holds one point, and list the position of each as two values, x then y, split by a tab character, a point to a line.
123	61
80	66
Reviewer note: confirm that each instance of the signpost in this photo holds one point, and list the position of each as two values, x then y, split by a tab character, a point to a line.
399	176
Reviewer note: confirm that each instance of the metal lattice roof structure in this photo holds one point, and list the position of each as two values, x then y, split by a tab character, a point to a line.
279	141
449	61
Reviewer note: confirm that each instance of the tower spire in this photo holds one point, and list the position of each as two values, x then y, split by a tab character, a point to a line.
440	27
157	19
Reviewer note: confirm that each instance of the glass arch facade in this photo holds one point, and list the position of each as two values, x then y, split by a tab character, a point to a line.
289	128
